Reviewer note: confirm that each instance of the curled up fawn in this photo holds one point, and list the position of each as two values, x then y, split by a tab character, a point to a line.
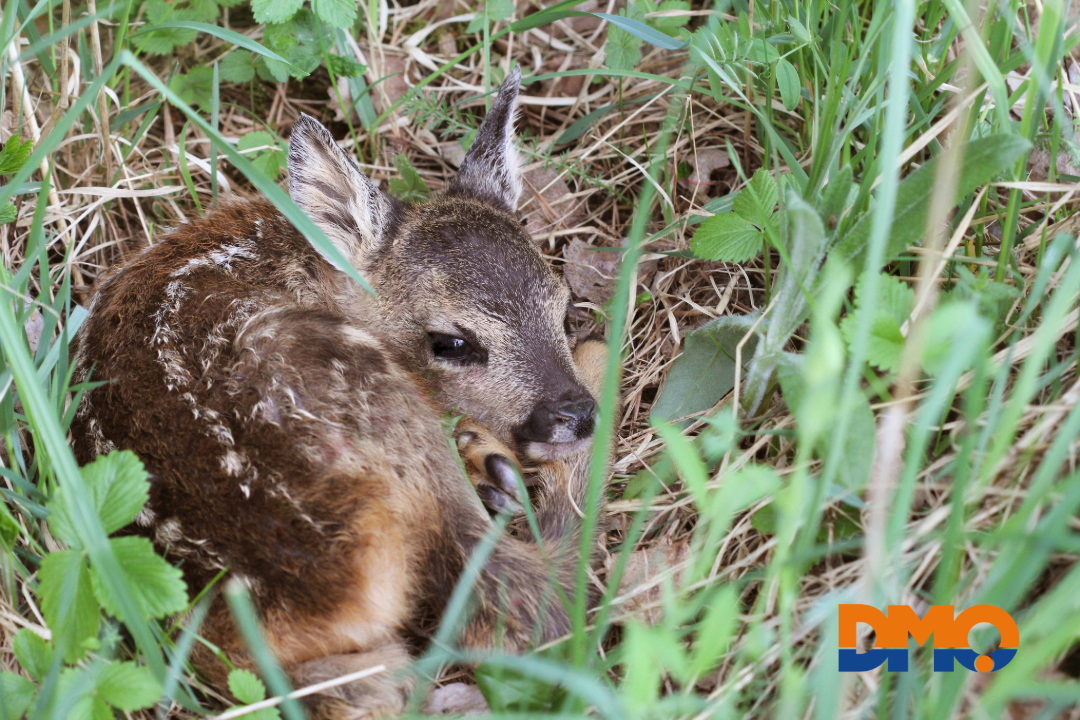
292	423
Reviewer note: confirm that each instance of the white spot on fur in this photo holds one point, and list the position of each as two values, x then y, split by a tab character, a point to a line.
168	532
246	490
145	518
233	463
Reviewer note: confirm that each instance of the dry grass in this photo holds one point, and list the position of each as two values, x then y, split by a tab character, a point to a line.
106	207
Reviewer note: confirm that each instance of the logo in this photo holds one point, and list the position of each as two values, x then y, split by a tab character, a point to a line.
950	637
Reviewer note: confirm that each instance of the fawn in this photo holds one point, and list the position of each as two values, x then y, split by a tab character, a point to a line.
292	423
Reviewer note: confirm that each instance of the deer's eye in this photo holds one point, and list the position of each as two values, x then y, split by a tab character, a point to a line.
454	349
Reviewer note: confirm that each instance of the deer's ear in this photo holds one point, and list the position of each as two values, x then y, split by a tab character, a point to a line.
491	170
327	185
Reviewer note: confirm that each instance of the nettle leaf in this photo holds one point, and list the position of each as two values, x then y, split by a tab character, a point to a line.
68	604
787	82
195	87
410	186
8	213
238	66
727	238
119	488
274	11
14	154
33	652
622	51
127	686
492	11
18	693
206	10
158	587
705	371
336	13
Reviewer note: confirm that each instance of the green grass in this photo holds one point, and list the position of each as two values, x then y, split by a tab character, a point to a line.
910	441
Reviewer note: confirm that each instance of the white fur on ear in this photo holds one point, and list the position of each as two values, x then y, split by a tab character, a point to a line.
327	185
491	169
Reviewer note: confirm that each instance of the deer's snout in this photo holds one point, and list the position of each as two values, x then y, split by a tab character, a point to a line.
567	418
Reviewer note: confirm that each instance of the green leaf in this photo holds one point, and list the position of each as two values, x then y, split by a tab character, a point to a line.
33	652
756	202
886	344
117	483
158	587
246	686
336	13
834	200
8	213
344	67
68	604
622	51
9	528
787	81
241	41
14	154
271	158
195	87
274	11
668	25
128	686
162	40
705	371
238	67
715	631
726	237
983	160
410	186
509	691
491	12
18	693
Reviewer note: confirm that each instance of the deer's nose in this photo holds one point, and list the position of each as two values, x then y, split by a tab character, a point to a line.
568	418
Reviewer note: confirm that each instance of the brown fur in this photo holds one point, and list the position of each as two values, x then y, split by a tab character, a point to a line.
292	426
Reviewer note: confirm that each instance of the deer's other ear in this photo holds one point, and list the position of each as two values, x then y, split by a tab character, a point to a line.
491	169
327	185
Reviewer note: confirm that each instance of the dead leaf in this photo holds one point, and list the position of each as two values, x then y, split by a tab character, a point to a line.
592	273
34	327
457	699
704	162
390	90
1039	164
550	203
644	578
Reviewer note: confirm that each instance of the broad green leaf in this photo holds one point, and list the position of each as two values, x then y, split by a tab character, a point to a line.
238	66
9	526
68	604
622	51
886	344
755	203
158	586
18	693
344	67
246	686
669	25
705	371
161	40
274	11
195	87
410	186
127	686
834	200
33	652
983	160
336	13
8	213
491	12
637	27
787	82
241	41
117	483
726	237
14	154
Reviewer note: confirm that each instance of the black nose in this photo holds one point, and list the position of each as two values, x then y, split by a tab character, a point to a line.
566	419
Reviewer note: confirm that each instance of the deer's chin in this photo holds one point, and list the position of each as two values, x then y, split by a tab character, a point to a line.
546	452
